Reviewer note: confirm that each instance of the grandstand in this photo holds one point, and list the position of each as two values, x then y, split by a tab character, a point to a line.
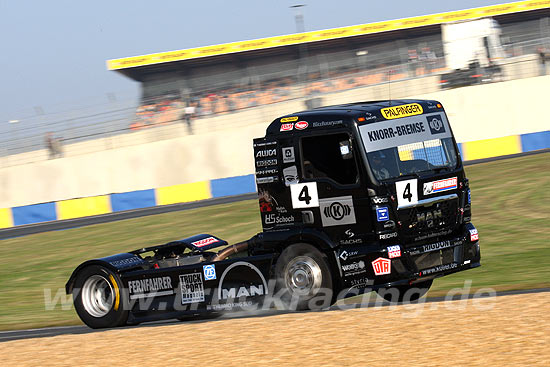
235	76
251	81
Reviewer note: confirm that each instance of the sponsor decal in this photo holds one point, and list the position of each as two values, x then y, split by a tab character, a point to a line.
433	234
192	288
266	172
229	306
394	251
439	268
381	266
290	175
209	272
344	149
266	201
474	236
379	200
287	127
440	185
248	291
354	266
349	233
434	247
408	130
288	155
289	119
436	124
402	111
400	130
278	219
265	143
431	106
352	241
204	242
301	125
344	255
251	290
369	116
266	180
150	287
388	235
266	153
327	123
389	224
382	214
360	283
469	197
337	211
267	162
131	261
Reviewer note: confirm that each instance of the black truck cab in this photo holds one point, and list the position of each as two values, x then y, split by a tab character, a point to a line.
378	186
356	197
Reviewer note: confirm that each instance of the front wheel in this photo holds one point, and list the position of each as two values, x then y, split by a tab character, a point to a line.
405	293
303	278
99	299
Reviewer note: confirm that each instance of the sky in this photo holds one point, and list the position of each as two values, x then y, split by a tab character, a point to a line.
53	52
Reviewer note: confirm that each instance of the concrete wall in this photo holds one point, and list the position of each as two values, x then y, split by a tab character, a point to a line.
222	145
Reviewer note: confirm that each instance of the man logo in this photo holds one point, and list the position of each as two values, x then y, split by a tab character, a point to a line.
429	217
337	211
436	124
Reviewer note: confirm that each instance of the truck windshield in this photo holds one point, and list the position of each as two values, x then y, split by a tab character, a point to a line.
409	145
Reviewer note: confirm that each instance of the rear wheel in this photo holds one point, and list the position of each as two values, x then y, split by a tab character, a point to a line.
303	278
405	293
99	299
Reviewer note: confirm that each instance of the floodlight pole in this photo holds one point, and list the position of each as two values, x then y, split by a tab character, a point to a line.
302	48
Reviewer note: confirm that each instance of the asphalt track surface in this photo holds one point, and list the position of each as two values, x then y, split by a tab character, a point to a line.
74	330
111	217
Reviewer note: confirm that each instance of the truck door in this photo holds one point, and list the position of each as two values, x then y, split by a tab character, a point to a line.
329	185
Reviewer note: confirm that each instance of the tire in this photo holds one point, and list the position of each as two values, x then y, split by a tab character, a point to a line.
405	293
99	299
303	278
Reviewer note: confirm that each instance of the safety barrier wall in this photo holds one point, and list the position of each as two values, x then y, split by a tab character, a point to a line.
183	193
488	120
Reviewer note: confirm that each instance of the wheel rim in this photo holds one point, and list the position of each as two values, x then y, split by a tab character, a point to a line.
97	296
303	276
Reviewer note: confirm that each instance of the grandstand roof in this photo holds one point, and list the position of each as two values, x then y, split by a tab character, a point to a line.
136	66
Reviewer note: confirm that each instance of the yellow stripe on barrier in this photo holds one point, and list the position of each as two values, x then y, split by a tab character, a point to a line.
83	207
6	220
183	193
488	148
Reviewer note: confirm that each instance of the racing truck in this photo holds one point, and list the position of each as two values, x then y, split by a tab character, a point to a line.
353	198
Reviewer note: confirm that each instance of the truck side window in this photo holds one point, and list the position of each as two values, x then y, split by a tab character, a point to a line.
322	158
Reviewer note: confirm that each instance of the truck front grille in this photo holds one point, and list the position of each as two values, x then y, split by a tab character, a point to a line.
421	220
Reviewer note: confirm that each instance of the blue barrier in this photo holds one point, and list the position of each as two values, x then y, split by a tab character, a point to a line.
133	200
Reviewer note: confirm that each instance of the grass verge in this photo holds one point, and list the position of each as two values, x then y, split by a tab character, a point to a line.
511	209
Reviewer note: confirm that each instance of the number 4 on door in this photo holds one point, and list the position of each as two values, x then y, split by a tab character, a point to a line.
304	195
